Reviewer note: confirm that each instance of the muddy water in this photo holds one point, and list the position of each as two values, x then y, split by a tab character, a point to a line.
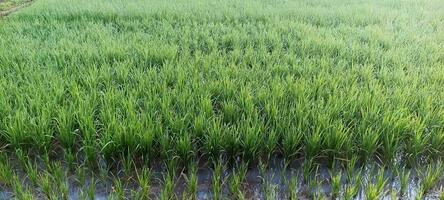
3	193
258	185
274	182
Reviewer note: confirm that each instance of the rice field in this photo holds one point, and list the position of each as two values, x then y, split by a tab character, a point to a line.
224	99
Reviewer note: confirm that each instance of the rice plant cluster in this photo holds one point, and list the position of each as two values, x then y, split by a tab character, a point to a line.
130	85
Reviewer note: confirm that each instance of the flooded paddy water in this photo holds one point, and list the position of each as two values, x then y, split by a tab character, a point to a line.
273	181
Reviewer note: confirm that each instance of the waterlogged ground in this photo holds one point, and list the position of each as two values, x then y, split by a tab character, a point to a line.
272	181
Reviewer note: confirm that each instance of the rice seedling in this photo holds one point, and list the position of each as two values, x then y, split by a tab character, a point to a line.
307	169
351	169
235	184
420	193
271	191
393	194
118	190
45	183
20	191
144	181
441	195
217	180
127	164
293	187
369	144
430	176
169	180
192	183
167	192
32	172
63	190
69	158
350	191
6	172
335	182
80	176
376	190
91	190
404	177
313	184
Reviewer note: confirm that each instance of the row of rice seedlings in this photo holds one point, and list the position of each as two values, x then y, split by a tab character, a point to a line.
52	183
227	138
185	147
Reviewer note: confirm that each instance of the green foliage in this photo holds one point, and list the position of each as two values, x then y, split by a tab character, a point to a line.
288	81
116	81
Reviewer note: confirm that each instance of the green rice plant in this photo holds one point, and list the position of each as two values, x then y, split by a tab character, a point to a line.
270	143
393	194
165	144
58	173
430	176
167	192
238	176
184	149
6	172
358	180
392	126
32	172
291	143
251	139
45	183
350	191
376	190
313	143
212	145
404	177
293	187
87	126
118	189
70	159
309	168
80	176
63	190
46	160
169	180
350	167
420	193
192	183
65	127
59	183
418	144
20	191
335	182
217	180
127	164
436	143
337	142
22	157
144	182
91	190
312	186
369	144
441	195
271	191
